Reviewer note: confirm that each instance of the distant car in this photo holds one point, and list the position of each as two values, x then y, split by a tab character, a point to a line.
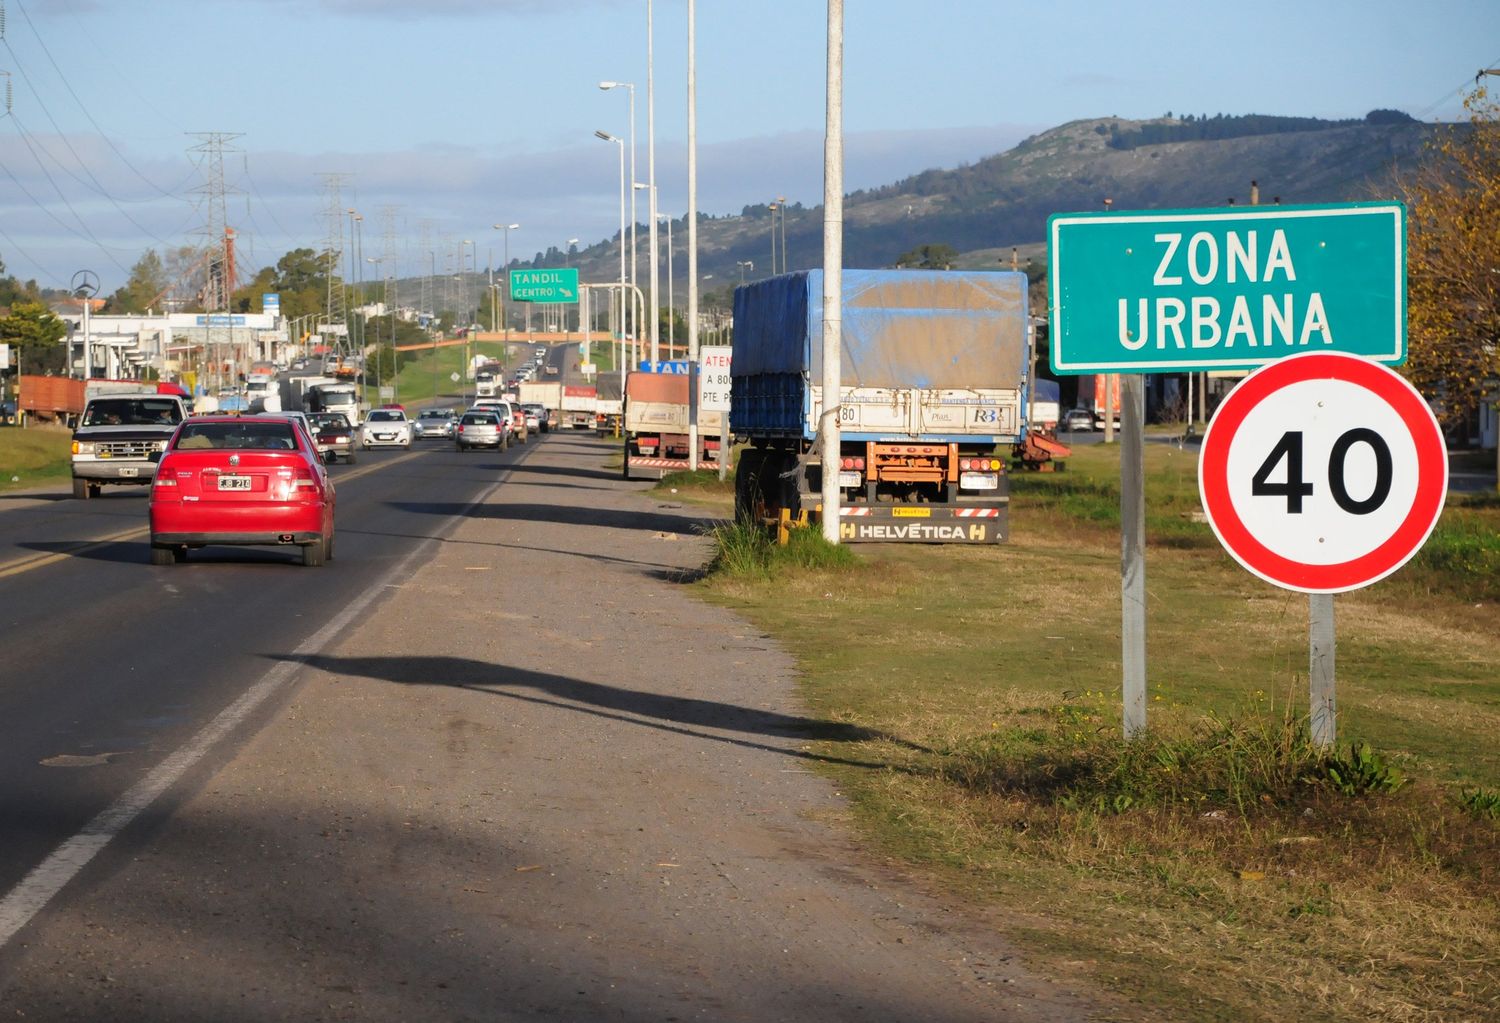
435	422
241	480
520	430
502	408
479	428
332	434
7	412
385	427
1077	419
536	416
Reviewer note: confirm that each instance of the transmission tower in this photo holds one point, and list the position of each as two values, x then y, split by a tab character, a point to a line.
333	216
425	253
218	239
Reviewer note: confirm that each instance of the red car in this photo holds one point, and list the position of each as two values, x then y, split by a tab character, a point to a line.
245	480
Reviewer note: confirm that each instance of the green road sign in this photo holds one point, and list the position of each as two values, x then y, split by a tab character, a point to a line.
1147	292
544	285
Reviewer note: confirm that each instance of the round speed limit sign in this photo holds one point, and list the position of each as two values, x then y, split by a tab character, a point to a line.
1323	472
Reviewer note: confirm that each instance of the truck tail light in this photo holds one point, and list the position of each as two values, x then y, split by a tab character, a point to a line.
979	464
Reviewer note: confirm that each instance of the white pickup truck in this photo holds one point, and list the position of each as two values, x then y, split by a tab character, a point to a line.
120	437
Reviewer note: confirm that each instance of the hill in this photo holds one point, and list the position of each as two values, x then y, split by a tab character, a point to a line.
984	209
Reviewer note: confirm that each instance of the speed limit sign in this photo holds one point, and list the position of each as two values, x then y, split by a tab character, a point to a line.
1323	472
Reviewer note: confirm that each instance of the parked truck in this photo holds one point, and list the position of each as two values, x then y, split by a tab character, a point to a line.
548	395
933	396
656	426
578	404
50	399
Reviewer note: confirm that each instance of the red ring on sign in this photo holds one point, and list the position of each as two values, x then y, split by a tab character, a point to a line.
1398	548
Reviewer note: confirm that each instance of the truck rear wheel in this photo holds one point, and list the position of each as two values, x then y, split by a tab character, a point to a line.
749	488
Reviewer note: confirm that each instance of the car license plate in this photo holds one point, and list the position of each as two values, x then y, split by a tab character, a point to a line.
234	482
851	479
129	470
979	481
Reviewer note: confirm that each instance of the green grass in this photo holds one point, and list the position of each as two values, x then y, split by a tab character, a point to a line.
1357	883
33	457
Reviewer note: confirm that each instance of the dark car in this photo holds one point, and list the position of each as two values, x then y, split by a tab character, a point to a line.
333	435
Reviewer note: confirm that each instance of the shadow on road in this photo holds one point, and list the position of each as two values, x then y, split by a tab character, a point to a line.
682	715
612	518
527	469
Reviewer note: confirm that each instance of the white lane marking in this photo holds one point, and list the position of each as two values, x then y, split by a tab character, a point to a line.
47	878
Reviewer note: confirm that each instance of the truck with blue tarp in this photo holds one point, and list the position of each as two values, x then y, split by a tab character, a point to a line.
934	393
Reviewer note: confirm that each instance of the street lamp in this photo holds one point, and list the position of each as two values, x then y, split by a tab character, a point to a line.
651	326
773	239
607	137
631	86
744	264
671	328
507	228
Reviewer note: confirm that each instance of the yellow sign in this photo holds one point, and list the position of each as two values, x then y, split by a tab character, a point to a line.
911	513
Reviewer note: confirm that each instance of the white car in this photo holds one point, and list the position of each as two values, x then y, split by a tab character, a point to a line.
385	427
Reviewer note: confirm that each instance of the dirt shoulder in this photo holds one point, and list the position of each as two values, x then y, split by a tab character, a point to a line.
592	803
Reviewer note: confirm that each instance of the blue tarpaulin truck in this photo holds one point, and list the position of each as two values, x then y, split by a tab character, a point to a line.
934	381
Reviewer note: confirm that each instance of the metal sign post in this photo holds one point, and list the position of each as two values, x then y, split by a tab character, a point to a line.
1133	553
1323	473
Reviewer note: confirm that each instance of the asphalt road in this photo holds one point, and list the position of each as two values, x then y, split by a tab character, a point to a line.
529	777
107	658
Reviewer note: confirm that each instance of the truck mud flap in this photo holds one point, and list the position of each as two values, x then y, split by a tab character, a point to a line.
866	523
644	468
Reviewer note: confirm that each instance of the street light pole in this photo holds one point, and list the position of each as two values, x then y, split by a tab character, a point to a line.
630	86
671	306
655	325
505	280
607	137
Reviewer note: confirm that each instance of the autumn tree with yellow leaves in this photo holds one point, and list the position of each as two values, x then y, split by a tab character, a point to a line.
1453	264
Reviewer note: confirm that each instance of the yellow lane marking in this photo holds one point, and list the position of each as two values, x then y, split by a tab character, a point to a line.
35	561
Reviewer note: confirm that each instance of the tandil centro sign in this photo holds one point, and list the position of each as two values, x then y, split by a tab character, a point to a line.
1226	288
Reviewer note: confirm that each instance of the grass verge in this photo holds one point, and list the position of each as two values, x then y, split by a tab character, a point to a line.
33	457
1222	868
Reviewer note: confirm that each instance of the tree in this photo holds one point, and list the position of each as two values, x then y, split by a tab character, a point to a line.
139	294
35	331
1453	263
929	257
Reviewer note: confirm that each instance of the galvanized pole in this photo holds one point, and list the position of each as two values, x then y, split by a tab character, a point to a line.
1133	553
1322	715
654	325
833	269
692	243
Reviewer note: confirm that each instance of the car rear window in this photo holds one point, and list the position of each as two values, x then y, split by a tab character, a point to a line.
478	418
245	435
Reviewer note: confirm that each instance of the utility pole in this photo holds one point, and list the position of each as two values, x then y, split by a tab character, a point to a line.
333	218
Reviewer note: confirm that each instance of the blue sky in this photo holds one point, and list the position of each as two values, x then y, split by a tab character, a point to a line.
463	114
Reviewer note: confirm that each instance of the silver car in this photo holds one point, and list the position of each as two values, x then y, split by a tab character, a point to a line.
435	422
480	428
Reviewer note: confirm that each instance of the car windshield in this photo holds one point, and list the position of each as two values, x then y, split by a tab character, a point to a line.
436	414
381	415
245	434
132	412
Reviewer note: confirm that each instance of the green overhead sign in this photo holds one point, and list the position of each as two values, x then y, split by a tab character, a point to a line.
544	285
1194	290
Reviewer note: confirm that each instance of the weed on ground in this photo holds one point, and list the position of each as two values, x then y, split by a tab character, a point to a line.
1223	867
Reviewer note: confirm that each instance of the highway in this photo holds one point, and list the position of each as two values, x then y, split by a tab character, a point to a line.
110	663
